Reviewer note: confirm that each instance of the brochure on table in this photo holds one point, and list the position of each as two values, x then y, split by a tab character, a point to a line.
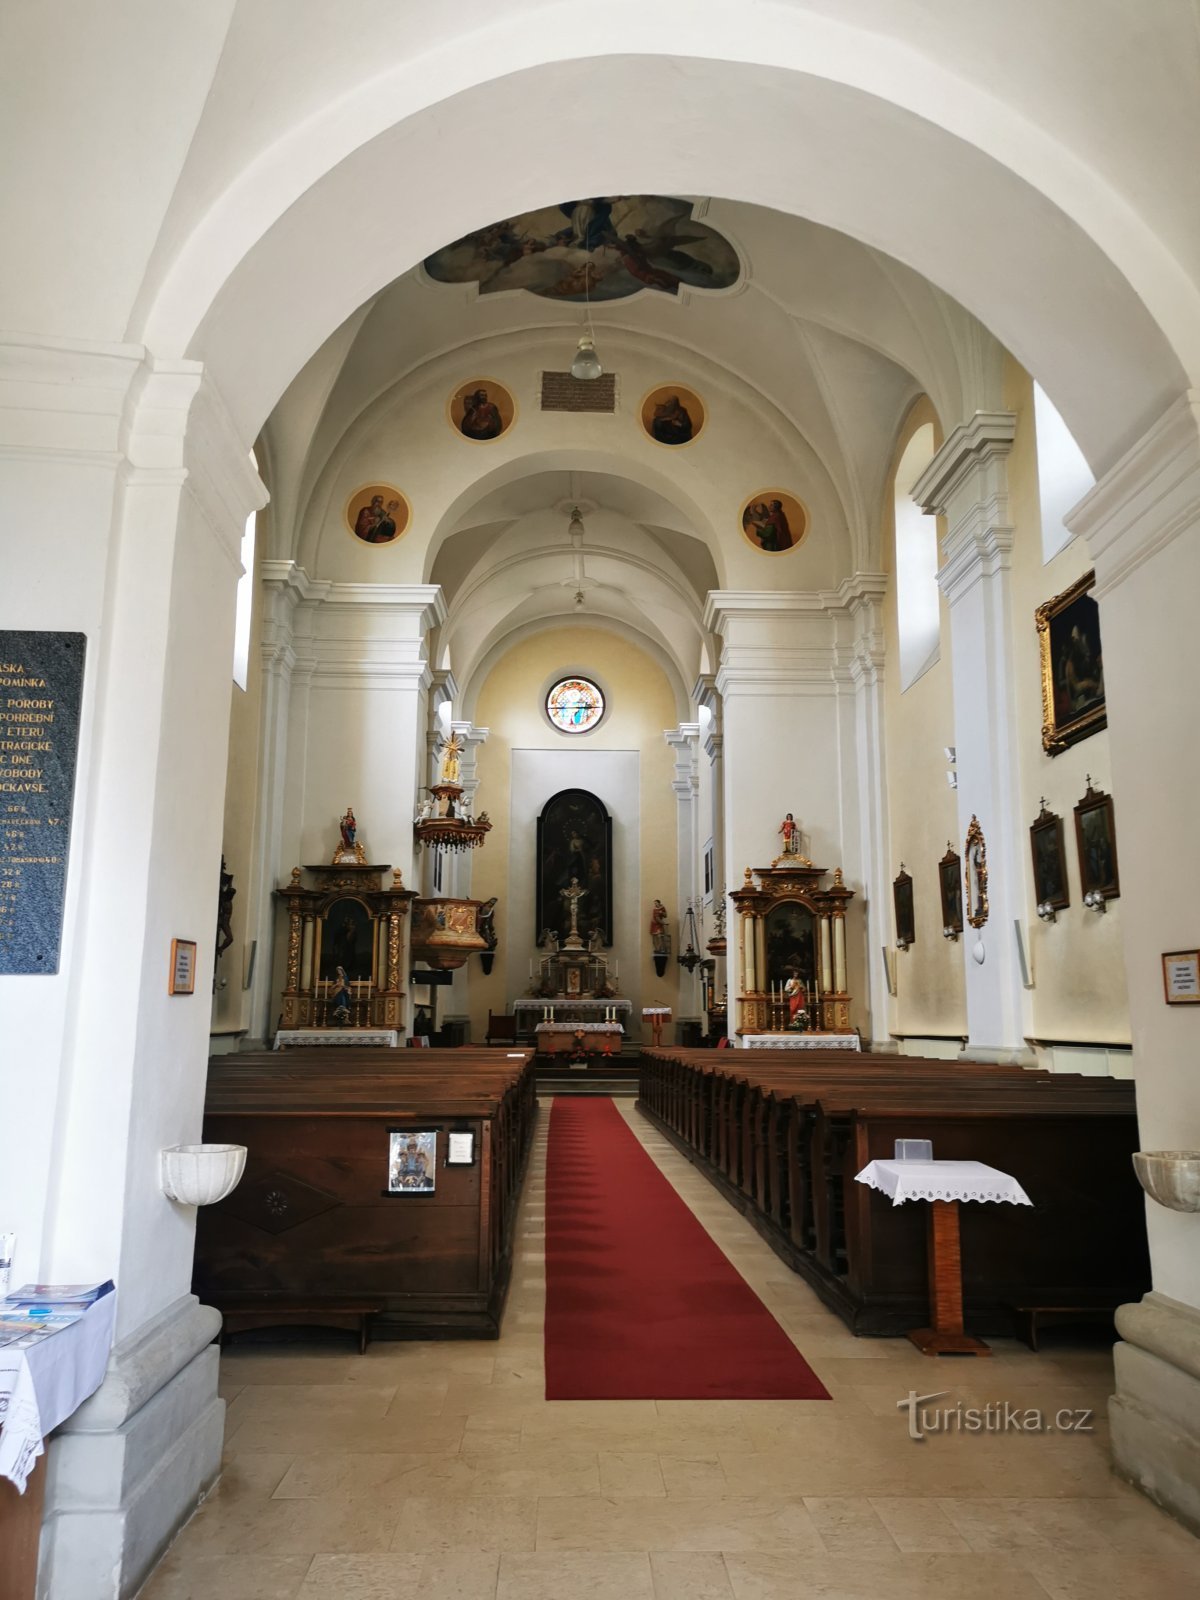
54	1347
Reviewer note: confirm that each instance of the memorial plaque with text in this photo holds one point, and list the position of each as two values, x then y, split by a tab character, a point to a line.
41	687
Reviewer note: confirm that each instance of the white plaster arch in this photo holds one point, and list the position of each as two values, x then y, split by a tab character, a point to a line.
503	641
407	413
1047	254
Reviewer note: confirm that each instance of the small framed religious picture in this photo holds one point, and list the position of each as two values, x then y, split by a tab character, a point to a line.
902	899
412	1161
460	1147
1181	977
1046	840
1073	703
1096	840
950	884
183	967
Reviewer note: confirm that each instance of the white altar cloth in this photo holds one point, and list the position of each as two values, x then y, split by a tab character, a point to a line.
800	1041
656	1011
563	1026
562	1004
41	1385
942	1180
306	1038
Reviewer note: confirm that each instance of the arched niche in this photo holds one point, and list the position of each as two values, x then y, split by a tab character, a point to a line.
574	840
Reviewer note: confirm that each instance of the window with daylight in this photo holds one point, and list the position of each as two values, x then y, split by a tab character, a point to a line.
575	705
1064	476
918	600
245	599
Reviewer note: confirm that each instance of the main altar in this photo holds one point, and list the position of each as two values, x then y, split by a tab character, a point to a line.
790	950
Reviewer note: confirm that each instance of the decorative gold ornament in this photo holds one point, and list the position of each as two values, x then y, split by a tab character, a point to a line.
975	875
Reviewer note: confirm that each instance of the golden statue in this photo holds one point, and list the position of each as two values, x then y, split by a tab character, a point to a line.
451	762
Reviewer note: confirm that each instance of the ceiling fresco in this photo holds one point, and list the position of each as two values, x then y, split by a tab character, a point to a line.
605	248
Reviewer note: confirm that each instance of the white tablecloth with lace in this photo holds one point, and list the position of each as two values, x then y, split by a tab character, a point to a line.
800	1041
41	1385
942	1180
309	1038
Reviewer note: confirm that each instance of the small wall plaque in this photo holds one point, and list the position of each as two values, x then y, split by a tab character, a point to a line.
183	967
1181	977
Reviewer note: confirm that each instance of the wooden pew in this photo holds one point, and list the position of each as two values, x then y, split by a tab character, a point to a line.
780	1134
312	1232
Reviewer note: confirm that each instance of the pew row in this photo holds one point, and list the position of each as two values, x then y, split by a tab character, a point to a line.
784	1136
314	1233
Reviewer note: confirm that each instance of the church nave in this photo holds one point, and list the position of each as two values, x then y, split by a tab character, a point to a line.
440	1467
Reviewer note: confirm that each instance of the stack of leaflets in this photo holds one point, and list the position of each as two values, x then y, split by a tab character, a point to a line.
37	1310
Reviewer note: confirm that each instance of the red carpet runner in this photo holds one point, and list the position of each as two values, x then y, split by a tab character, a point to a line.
640	1303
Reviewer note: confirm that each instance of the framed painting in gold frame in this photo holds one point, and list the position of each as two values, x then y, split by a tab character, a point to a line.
950	886
1073	703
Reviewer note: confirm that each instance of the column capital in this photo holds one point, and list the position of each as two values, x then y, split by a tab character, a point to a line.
986	438
1144	502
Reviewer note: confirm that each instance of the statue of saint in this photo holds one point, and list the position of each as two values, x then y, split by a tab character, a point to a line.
451	758
549	940
339	999
658	928
487	924
791	835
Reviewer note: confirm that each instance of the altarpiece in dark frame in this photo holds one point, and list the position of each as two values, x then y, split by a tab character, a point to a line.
574	840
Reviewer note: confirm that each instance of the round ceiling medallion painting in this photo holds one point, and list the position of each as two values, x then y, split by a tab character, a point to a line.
378	514
482	410
774	521
672	414
575	705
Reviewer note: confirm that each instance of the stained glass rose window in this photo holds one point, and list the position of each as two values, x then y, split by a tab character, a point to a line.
574	705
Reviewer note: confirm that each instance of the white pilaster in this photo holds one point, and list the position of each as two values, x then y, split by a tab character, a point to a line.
967	483
158	487
685	784
1142	524
799	680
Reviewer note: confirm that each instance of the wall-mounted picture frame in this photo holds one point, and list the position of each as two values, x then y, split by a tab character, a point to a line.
412	1161
182	978
673	414
1096	841
902	902
774	521
378	513
1047	842
975	875
1073	704
950	887
1181	977
480	410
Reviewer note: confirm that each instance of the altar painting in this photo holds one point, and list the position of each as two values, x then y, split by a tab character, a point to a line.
575	841
603	248
347	941
791	943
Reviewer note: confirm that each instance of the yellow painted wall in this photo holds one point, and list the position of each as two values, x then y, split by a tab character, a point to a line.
1078	969
231	1004
641	707
930	998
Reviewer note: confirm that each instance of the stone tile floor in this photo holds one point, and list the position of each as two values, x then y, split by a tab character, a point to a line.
439	1470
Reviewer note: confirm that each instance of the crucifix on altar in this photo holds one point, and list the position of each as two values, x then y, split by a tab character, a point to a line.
571	896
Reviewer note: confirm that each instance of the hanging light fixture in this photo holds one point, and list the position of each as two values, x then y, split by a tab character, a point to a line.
586	364
691	957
